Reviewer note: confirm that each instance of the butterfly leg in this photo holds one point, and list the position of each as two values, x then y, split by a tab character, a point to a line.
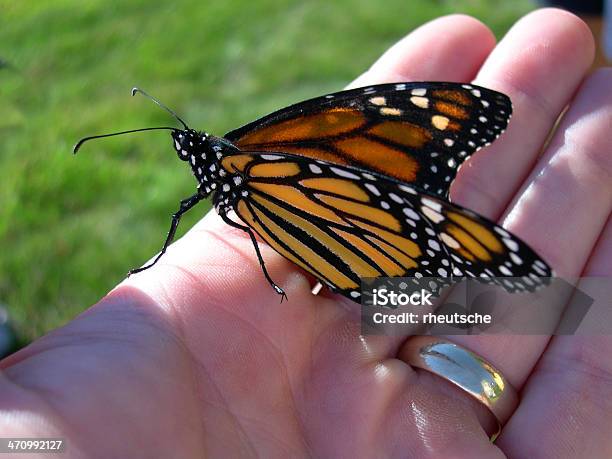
249	231
186	205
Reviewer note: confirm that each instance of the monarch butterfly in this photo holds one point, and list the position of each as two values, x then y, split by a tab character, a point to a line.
354	184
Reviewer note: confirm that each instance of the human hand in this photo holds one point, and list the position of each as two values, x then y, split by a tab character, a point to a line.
196	355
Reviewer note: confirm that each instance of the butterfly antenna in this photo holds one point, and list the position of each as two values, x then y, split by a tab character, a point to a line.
85	139
169	110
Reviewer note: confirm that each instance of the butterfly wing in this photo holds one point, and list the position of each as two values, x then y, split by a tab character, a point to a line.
419	133
341	224
483	250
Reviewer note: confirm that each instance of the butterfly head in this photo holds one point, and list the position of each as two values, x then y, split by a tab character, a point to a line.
189	144
203	153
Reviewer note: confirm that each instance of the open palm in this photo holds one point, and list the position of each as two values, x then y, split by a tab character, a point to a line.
197	357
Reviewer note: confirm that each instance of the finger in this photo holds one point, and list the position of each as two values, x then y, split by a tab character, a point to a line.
523	65
563	206
218	262
600	262
451	48
525	76
569	395
539	65
567	199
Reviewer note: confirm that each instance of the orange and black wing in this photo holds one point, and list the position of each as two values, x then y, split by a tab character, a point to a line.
419	133
341	224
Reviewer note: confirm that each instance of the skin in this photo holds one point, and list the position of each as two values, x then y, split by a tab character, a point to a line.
184	360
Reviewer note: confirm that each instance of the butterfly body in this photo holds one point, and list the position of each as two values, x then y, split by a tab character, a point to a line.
203	153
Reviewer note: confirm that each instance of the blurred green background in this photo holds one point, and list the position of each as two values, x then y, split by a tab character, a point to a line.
70	227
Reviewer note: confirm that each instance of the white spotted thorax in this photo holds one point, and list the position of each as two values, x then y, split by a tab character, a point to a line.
203	152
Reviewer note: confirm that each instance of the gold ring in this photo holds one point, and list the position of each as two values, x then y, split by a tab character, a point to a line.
464	369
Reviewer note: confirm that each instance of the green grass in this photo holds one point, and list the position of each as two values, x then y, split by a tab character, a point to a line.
70	226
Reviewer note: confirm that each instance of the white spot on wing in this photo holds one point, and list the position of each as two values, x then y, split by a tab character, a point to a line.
434	245
344	173
511	244
540	263
270	157
432	214
421	102
390	111
373	189
440	122
407	189
396	198
539	270
449	241
432	204
516	259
